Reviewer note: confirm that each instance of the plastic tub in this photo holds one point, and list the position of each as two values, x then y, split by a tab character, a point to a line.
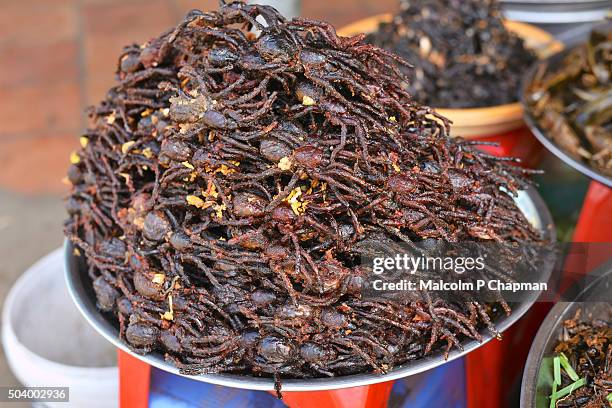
502	123
48	343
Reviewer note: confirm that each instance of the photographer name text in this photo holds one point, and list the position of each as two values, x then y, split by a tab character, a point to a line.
442	286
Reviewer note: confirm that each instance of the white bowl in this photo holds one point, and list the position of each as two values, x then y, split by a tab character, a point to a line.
48	343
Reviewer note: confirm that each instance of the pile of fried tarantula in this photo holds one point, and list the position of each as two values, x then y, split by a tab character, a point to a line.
227	180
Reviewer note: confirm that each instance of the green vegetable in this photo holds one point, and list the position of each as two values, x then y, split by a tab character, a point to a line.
609	397
557	370
568	367
569	389
556	380
553	401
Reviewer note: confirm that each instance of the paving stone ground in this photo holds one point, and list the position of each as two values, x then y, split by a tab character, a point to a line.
57	57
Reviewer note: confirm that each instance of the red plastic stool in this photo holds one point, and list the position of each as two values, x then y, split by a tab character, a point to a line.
369	396
595	222
134	380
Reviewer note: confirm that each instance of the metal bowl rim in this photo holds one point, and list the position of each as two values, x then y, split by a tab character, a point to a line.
541	134
155	359
544	336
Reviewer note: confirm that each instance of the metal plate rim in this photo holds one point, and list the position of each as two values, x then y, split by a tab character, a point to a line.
552	17
108	331
540	133
544	336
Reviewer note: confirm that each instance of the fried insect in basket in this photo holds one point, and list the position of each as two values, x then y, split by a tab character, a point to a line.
572	101
462	54
582	368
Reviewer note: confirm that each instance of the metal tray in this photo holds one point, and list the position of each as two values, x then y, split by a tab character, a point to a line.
80	288
541	133
536	386
556	11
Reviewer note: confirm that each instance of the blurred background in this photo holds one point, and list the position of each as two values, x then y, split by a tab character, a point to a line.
59	56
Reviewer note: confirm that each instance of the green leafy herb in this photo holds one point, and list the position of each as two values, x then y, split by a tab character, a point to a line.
557	370
553	401
568	367
569	389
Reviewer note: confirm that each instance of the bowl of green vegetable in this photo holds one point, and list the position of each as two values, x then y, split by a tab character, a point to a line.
570	361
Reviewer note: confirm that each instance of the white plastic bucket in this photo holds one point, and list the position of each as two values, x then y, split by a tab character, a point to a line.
48	343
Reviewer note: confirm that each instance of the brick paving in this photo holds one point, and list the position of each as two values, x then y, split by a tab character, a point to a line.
56	58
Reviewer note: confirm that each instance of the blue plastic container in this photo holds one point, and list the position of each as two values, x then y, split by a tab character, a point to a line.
442	387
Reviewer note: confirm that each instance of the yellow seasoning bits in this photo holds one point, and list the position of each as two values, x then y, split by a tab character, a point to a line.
225	170
110	119
75	158
308	101
169	315
159	278
211	190
219	208
198	202
298	207
147	152
126	146
195	201
126	176
285	163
